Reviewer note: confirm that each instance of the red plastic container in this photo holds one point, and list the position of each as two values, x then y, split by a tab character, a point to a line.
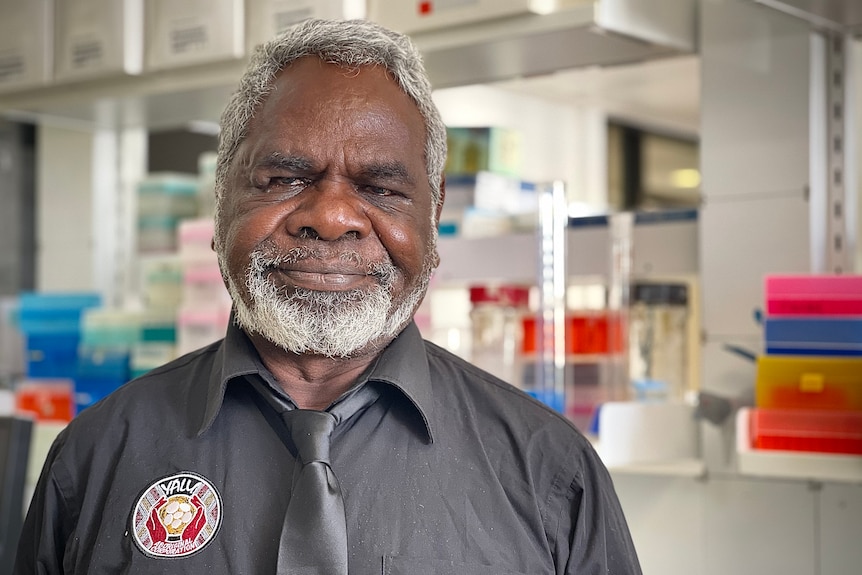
46	399
806	430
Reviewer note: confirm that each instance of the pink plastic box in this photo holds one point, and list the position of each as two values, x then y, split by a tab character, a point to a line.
813	295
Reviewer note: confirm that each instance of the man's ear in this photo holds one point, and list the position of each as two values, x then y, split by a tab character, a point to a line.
442	196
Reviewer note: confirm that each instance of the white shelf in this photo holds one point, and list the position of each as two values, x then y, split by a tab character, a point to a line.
792	464
693	468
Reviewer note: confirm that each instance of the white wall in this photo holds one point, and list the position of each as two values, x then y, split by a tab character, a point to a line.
856	123
559	142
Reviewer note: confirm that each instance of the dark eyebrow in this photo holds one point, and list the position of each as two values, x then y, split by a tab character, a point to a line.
287	163
388	172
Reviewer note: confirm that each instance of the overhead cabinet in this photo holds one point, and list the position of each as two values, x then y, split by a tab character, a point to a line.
25	43
194	50
266	18
184	32
97	38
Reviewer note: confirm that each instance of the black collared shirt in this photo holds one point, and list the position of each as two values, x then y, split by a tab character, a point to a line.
449	471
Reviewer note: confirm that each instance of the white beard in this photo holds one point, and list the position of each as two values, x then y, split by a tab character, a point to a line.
329	323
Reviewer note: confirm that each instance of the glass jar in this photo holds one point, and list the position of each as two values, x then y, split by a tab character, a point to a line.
658	340
496	316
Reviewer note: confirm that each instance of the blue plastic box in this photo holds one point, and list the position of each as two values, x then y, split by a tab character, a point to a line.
51	326
104	363
89	390
810	336
52	355
54	313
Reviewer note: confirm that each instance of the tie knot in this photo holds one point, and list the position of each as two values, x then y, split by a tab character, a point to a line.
310	431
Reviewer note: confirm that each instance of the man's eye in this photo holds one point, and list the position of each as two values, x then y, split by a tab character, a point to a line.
378	191
292	183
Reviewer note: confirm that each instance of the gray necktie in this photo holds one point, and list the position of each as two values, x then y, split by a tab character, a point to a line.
314	535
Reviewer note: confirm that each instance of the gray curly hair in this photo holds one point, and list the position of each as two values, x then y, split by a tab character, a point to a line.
350	43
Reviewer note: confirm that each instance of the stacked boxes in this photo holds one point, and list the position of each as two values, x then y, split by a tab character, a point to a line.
107	337
77	352
103	357
808	393
116	346
161	281
163	201
51	327
203	315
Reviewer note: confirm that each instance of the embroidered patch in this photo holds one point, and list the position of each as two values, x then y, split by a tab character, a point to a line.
176	516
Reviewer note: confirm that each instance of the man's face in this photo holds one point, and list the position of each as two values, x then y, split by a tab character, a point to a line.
326	230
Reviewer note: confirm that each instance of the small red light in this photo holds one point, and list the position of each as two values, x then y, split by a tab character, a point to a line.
425	8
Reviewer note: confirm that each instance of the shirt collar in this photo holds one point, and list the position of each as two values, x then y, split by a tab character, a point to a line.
402	364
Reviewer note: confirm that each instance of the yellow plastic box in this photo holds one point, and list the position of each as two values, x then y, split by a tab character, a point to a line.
809	382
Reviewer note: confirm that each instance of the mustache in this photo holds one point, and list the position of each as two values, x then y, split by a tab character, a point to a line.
267	257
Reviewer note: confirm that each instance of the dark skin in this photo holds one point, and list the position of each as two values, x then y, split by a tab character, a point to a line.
334	160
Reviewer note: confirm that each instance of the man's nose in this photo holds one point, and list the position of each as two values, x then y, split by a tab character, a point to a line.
329	210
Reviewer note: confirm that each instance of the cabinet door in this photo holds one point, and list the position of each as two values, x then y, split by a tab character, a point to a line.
759	526
665	516
840	526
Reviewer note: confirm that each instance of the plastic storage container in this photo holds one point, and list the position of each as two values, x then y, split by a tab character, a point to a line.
806	430
163	201
150	355
51	325
201	326
496	329
46	399
658	340
54	312
168	194
161	281
204	283
809	382
813	295
101	370
588	333
110	327
813	336
593	347
158	326
195	240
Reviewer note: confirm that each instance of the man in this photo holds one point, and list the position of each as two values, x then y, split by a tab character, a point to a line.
329	187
